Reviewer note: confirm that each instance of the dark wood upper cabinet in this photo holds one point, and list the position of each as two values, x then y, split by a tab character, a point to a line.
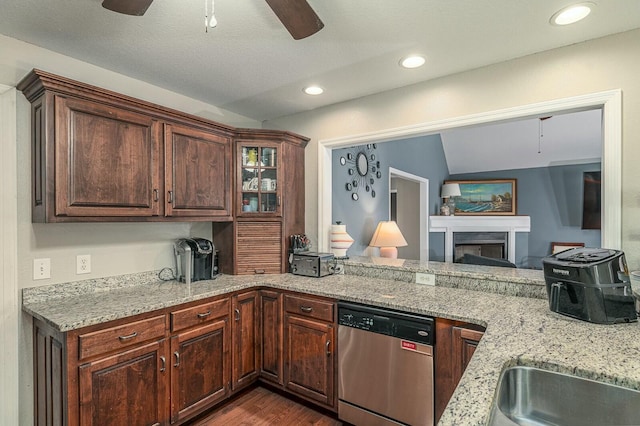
106	160
197	172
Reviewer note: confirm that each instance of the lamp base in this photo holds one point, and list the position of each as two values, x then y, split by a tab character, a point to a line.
390	252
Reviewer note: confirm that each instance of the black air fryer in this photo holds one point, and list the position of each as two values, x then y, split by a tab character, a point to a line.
590	284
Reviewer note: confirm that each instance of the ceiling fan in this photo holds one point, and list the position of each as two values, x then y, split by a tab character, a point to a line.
296	15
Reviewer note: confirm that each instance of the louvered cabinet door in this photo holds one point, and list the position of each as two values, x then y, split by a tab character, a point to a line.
259	248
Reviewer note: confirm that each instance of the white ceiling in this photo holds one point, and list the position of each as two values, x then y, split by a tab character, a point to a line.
249	64
571	138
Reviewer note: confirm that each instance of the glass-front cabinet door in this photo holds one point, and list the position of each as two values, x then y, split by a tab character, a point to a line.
259	179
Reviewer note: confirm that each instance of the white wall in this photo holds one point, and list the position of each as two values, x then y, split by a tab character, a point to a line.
116	248
598	65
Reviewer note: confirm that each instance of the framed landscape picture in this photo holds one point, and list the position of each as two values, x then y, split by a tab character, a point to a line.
486	197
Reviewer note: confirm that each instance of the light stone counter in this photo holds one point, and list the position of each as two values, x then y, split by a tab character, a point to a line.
520	330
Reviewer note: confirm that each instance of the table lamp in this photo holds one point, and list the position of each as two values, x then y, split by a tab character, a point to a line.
388	237
447	192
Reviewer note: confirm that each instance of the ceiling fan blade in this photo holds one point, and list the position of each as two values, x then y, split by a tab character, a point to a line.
297	17
128	7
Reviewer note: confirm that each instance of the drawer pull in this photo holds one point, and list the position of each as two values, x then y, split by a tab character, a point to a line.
306	309
204	315
327	345
237	311
177	355
259	271
164	364
129	337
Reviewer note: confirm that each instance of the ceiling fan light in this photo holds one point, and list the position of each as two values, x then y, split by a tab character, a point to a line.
413	61
571	14
313	90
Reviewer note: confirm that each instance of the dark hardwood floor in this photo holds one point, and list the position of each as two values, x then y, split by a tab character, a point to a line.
261	407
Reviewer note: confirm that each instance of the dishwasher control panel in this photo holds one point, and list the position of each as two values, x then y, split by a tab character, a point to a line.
402	325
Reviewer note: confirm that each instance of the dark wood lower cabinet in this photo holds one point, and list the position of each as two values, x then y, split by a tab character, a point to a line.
309	360
167	366
245	339
271	332
456	342
200	369
125	388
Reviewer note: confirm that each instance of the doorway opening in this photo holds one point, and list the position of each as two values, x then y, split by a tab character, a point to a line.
408	206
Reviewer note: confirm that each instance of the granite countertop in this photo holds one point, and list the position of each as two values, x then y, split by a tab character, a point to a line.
520	330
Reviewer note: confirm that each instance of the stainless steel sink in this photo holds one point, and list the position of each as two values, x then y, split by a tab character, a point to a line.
530	396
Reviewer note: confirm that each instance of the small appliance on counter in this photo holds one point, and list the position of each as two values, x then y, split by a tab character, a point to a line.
590	284
195	259
313	264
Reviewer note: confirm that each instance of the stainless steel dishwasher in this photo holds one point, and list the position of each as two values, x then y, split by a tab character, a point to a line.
385	367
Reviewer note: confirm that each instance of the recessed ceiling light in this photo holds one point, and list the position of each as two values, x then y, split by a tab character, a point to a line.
413	61
313	90
572	14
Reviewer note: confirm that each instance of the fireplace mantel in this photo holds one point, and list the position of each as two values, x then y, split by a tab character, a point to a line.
451	224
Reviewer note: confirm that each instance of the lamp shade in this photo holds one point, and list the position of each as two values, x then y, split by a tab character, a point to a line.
450	190
388	235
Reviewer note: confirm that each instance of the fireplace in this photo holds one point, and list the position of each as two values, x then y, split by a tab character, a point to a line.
487	244
509	225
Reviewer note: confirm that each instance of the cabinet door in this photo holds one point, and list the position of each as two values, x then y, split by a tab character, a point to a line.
309	364
465	342
106	161
271	326
259	248
259	179
126	388
200	369
245	339
197	173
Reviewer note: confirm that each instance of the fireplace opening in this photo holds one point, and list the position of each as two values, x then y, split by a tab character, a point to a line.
487	244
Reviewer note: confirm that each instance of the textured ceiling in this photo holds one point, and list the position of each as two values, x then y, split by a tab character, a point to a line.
249	64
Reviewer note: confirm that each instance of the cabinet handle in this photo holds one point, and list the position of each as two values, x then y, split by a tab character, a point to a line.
204	315
259	271
170	197
306	309
164	364
327	346
129	337
237	311
278	200
155	195
177	355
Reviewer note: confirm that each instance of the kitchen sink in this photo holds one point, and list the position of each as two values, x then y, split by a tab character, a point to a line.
530	396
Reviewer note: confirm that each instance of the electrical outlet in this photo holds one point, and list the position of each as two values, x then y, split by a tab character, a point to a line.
83	264
41	269
428	279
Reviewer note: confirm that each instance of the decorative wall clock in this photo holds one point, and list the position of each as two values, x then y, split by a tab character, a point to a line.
363	168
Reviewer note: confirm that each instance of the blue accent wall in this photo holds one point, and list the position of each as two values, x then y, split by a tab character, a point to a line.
553	197
421	156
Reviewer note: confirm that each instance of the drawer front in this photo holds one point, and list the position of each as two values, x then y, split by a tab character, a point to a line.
311	308
122	336
199	314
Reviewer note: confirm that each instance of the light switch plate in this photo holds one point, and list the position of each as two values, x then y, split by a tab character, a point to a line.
83	264
41	269
427	279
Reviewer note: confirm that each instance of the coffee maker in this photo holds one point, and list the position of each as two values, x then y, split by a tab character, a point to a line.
195	259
